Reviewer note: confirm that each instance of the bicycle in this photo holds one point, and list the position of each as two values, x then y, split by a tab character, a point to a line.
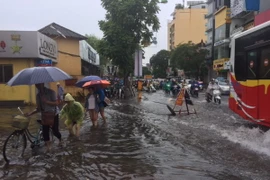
21	135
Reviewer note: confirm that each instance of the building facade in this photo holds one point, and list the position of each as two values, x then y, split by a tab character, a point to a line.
222	37
71	55
19	50
230	18
53	45
188	24
209	36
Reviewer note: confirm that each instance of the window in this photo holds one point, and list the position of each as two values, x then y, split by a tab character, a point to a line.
6	72
239	69
264	69
203	7
222	32
252	65
222	51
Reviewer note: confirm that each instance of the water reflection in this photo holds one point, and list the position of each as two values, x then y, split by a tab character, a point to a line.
140	141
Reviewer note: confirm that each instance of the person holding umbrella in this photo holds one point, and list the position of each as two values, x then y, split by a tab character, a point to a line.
47	102
46	98
91	105
102	103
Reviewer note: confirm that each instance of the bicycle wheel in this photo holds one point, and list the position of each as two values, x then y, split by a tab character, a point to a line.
14	146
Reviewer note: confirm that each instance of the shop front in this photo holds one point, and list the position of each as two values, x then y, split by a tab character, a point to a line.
221	67
19	50
89	59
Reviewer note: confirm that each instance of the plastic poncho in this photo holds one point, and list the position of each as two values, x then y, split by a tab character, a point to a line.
73	113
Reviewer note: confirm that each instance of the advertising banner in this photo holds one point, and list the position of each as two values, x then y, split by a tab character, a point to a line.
27	44
138	63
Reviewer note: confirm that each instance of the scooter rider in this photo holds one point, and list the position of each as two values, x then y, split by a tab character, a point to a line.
209	90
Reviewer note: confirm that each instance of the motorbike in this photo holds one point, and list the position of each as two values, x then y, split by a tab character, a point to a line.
194	90
121	93
216	95
167	88
175	89
151	88
200	85
107	92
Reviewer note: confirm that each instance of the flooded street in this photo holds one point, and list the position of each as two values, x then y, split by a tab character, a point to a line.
142	141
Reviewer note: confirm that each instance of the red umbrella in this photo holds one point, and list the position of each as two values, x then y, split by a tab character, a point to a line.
97	83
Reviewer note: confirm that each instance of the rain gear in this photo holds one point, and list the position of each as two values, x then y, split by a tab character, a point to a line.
73	112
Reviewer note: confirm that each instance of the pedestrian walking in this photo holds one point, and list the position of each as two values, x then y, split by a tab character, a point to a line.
91	105
60	92
47	104
73	112
102	104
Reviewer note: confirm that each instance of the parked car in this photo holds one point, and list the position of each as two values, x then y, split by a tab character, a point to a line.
225	87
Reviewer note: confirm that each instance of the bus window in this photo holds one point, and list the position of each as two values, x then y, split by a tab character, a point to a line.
265	64
240	62
252	65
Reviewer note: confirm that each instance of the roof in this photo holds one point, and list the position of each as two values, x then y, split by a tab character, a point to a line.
54	29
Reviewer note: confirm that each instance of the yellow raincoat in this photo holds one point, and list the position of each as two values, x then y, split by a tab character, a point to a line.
73	111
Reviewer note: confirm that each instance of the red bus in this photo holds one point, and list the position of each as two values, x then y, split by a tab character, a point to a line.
250	74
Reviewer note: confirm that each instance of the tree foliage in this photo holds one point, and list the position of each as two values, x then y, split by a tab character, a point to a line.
190	58
146	71
127	24
159	63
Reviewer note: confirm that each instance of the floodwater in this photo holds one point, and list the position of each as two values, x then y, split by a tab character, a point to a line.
142	141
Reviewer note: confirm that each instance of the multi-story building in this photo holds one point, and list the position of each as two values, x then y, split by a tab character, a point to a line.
209	35
221	39
188	24
230	18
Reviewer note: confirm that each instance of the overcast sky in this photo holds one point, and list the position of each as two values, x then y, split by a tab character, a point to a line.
81	16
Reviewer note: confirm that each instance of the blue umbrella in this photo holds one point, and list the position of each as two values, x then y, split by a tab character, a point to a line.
36	75
86	79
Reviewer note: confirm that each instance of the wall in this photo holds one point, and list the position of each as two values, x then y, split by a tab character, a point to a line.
70	63
25	93
222	17
190	25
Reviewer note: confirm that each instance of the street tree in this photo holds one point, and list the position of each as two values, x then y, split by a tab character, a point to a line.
191	58
128	26
159	63
146	71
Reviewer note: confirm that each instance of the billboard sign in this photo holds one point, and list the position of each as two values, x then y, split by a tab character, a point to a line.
239	6
88	53
138	63
27	44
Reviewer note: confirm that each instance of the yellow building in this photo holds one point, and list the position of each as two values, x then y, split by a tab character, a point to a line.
187	25
64	48
69	59
19	50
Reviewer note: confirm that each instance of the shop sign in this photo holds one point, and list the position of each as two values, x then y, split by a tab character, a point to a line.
222	42
249	26
237	30
239	6
47	46
88	54
220	64
44	62
27	44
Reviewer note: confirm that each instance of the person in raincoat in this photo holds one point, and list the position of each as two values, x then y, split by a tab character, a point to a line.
73	111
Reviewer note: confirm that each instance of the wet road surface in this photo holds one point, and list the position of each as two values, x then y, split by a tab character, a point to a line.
143	141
